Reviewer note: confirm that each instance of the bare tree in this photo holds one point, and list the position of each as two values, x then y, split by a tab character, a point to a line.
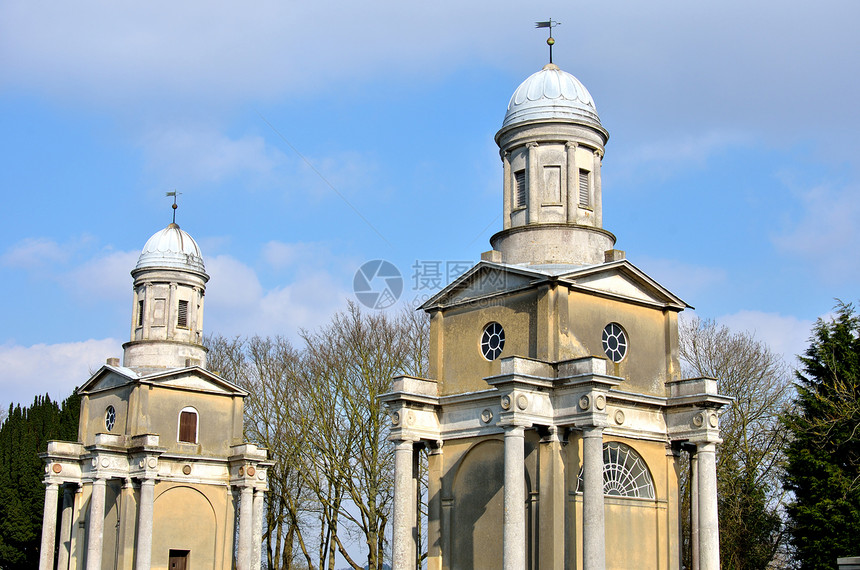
317	411
750	494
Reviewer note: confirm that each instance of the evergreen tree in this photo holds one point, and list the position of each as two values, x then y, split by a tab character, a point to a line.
24	434
823	455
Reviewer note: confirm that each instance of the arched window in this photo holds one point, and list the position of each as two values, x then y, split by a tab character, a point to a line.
625	473
187	425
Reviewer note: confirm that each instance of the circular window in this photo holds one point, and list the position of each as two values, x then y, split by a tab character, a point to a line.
614	342
492	341
110	418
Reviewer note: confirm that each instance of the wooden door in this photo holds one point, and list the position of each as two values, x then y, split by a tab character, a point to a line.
178	559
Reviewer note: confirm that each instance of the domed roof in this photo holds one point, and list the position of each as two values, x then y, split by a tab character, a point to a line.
551	94
173	248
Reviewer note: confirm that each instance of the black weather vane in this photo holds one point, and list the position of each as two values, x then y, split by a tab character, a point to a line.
550	41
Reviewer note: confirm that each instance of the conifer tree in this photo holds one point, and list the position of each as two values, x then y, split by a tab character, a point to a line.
23	436
823	456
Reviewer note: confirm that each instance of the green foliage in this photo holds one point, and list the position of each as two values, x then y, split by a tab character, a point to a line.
823	455
23	436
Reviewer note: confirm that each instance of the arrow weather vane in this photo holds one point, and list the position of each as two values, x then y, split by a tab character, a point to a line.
174	194
550	41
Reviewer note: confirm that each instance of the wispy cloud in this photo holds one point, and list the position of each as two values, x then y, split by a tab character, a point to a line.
784	334
55	369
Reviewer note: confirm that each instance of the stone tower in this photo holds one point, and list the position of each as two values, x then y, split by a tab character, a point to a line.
555	412
160	476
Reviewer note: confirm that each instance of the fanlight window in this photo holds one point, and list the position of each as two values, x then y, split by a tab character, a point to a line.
625	473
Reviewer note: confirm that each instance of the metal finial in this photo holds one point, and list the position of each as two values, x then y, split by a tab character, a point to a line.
550	41
175	206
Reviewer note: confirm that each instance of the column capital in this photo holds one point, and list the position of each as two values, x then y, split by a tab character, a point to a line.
571	144
532	145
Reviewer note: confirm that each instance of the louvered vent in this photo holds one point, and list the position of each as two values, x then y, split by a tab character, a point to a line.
182	319
583	188
140	313
520	179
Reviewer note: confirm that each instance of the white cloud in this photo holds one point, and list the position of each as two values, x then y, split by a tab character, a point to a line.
32	253
236	302
784	334
55	369
104	277
825	233
187	154
683	279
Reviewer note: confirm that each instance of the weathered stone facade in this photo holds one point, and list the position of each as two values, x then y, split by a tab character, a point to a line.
160	474
556	411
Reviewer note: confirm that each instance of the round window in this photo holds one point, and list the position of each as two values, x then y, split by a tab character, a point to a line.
110	418
614	342
492	341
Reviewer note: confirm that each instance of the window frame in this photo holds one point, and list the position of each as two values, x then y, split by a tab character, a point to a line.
189	410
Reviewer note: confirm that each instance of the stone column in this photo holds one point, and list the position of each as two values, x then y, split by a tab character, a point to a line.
147	311
402	538
49	528
257	533
96	522
66	528
243	554
572	181
434	507
514	557
508	189
595	190
694	509
709	535
192	316
143	557
172	311
532	205
593	527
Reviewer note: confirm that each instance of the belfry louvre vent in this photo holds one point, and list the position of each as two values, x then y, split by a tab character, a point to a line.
182	319
583	187
520	182
140	313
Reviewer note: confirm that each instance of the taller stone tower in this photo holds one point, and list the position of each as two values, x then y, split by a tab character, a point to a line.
160	476
555	413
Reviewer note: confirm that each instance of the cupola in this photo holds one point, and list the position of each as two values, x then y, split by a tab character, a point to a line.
167	314
551	143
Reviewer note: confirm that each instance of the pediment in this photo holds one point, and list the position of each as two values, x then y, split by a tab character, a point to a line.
195	379
483	280
106	378
625	280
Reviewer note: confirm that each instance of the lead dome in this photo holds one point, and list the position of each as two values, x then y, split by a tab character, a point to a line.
551	94
171	248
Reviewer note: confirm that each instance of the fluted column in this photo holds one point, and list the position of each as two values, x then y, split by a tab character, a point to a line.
143	557
514	557
49	527
96	525
257	533
243	555
593	525
402	538
508	189
65	528
709	536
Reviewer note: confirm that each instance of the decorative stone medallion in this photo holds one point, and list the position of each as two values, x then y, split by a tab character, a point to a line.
584	403
699	419
410	418
241	471
522	402
600	402
152	462
395	419
186	469
713	420
251	471
506	402
619	417
56	468
486	416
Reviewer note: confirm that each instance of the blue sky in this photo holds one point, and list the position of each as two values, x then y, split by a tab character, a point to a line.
731	174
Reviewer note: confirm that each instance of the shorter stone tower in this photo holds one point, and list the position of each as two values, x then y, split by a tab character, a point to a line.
160	476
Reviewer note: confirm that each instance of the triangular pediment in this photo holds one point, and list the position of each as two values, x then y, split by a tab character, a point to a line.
192	378
483	280
624	280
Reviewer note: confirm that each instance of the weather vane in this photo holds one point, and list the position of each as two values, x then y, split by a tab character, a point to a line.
550	41
174	194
